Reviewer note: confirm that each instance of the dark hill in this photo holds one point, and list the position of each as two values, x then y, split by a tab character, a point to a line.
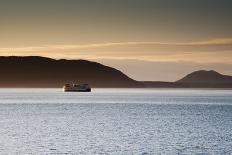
35	71
45	72
198	79
204	78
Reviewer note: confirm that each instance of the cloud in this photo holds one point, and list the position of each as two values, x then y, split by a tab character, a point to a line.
215	50
220	41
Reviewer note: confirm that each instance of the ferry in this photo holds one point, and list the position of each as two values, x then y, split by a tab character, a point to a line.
76	88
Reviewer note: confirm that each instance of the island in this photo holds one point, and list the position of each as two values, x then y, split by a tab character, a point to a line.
42	72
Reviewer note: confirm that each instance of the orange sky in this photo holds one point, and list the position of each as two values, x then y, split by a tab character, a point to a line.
210	51
119	32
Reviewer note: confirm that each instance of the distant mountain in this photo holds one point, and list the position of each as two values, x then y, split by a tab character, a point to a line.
204	78
33	71
45	72
198	79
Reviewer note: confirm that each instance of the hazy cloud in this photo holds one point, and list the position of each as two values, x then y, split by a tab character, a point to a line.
217	50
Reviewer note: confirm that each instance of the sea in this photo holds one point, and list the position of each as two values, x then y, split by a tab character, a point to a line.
116	121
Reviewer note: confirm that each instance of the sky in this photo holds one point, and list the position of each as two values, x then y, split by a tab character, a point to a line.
146	39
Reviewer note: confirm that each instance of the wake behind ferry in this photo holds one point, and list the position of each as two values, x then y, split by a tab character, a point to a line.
76	87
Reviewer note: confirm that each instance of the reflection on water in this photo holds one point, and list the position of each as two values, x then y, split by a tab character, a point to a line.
116	121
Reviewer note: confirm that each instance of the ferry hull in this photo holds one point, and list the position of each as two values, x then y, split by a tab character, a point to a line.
77	90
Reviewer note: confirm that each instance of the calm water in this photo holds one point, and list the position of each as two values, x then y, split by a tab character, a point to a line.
116	121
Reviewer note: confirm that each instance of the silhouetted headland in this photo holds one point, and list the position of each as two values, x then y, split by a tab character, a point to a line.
206	79
34	71
197	79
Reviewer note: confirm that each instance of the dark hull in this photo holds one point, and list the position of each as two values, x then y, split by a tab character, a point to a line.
86	90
